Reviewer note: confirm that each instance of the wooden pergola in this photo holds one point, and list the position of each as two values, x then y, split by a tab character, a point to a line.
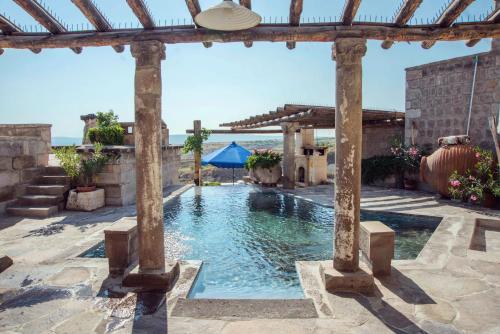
349	36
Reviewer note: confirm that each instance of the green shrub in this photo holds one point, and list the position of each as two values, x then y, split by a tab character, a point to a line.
379	168
194	143
262	159
108	131
69	160
93	165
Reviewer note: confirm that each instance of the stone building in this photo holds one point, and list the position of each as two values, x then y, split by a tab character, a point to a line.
438	96
311	165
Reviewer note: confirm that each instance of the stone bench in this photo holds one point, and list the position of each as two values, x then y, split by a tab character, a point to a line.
122	246
377	246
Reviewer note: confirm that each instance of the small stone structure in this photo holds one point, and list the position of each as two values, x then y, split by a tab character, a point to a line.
438	96
311	164
24	152
121	244
376	242
85	201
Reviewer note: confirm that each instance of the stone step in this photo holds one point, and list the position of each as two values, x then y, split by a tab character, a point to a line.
46	189
54	170
35	200
54	179
32	212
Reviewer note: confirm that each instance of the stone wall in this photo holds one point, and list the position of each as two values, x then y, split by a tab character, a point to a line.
377	139
438	95
118	176
24	151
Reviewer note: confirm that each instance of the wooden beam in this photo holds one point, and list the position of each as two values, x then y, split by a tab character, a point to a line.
296	7
8	27
494	17
403	16
194	9
267	33
350	9
42	16
96	18
247	4
141	11
448	16
238	131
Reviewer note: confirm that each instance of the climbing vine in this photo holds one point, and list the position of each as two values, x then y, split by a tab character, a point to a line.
194	143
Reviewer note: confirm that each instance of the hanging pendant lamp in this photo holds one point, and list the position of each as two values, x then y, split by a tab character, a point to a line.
227	16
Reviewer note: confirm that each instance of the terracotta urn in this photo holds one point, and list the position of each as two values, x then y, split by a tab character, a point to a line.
437	168
266	176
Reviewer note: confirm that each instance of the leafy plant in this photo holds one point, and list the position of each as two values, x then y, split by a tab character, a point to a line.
108	131
194	143
69	160
93	165
378	168
263	159
476	183
407	157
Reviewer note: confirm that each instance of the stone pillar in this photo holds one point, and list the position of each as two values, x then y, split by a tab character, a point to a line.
348	138
149	197
90	121
289	130
495	42
197	155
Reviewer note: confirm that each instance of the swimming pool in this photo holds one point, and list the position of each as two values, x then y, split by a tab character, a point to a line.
249	240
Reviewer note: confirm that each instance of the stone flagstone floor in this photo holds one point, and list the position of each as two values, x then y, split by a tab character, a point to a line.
447	289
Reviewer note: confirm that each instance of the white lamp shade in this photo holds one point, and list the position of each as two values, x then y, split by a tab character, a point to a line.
227	16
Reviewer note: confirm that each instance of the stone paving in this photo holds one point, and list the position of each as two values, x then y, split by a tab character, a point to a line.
449	288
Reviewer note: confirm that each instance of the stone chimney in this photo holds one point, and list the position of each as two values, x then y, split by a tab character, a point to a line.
90	121
495	42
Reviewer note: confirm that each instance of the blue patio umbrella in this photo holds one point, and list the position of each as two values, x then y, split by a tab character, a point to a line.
232	156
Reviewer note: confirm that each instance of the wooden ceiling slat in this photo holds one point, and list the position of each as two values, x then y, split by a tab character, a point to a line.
493	17
403	16
8	27
247	4
141	11
42	16
350	9
296	7
268	33
194	9
96	18
448	16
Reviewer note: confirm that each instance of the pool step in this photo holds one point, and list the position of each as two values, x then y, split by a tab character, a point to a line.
245	308
32	212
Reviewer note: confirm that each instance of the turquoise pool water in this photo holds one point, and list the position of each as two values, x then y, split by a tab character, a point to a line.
249	240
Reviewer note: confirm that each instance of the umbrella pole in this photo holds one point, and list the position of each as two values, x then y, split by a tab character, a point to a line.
233	176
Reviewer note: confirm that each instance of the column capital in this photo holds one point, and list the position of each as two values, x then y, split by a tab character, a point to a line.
148	49
348	50
289	126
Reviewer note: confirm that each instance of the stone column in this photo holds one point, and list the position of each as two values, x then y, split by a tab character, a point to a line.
495	42
90	121
149	197
289	130
348	138
197	155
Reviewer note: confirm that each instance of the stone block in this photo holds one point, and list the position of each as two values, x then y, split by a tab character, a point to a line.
7	193
360	281
121	245
10	148
23	161
413	74
147	281
85	201
9	178
5	163
30	174
377	246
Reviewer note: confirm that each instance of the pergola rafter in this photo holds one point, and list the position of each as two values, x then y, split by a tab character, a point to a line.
8	27
350	9
448	16
295	12
96	18
493	17
403	16
42	16
142	13
194	9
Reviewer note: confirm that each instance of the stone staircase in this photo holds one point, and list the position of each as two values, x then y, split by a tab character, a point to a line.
44	198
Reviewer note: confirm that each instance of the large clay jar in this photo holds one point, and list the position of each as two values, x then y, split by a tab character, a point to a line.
437	168
266	176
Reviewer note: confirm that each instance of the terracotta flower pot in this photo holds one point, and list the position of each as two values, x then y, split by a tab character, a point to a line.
85	189
266	176
437	168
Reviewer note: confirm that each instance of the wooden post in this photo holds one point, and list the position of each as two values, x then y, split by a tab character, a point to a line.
348	138
197	155
149	196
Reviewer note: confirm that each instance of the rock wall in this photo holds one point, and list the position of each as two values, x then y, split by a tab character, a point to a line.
24	151
377	139
438	95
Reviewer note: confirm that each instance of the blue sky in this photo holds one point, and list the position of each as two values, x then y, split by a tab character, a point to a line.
223	83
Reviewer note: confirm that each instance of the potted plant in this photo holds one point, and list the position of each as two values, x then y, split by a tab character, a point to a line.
264	167
481	185
89	168
407	163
